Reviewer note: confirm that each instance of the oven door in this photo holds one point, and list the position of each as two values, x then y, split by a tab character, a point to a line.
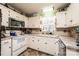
17	43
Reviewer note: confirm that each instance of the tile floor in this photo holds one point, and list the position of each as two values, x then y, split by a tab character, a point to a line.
32	52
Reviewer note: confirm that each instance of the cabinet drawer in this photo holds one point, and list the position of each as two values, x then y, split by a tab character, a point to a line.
6	47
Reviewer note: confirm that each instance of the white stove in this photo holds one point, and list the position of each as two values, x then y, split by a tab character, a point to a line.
18	45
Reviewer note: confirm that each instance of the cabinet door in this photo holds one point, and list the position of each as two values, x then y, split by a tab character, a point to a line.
20	17
37	22
43	44
75	18
38	43
48	45
74	11
12	14
69	19
26	21
30	23
6	47
52	46
27	39
34	43
70	52
61	20
5	17
33	21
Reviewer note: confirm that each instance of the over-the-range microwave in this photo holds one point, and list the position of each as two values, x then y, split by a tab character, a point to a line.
16	23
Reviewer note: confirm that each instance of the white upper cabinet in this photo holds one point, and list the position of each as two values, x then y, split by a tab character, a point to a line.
16	15
19	17
26	21
12	14
73	9
34	22
64	19
5	15
68	18
61	20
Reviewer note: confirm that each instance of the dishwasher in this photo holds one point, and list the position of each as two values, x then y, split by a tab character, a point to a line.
62	48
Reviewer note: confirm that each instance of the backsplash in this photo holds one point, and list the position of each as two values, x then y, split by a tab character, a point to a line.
73	33
8	32
36	32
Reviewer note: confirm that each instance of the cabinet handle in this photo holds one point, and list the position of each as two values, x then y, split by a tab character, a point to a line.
38	40
70	20
33	40
45	42
10	47
37	48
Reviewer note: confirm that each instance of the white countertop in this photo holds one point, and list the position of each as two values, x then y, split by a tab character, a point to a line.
68	41
43	35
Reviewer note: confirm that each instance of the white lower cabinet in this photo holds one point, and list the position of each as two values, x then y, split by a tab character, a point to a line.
6	47
52	46
33	42
44	44
72	52
27	40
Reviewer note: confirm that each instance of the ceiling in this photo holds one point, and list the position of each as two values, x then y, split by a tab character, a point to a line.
34	7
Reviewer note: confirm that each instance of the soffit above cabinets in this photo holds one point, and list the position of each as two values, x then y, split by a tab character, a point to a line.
34	7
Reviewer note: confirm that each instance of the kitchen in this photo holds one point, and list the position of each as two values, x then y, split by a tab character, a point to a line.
44	29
